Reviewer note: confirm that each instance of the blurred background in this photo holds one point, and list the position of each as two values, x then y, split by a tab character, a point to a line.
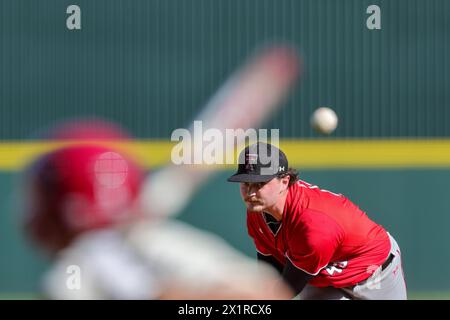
152	65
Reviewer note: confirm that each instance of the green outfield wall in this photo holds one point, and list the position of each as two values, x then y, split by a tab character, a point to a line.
152	64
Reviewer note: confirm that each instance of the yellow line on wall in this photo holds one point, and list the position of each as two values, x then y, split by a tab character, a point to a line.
367	153
302	154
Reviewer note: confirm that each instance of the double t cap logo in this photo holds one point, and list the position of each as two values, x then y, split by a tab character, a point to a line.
260	162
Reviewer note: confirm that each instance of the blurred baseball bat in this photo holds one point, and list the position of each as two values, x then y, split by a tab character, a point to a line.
245	101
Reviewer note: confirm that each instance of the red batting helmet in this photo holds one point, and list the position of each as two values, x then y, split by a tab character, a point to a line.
76	189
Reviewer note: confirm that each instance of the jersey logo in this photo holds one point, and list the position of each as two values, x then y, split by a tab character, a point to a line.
336	267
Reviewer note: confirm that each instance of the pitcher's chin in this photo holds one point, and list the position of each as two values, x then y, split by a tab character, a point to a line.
255	207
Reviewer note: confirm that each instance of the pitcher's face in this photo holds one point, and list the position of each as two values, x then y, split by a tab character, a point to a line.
260	196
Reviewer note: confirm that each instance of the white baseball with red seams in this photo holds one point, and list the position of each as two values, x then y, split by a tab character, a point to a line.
324	120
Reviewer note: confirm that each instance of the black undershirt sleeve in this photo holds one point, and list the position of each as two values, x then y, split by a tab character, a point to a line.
296	278
271	261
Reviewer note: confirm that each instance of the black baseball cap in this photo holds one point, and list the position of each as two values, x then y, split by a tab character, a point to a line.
260	162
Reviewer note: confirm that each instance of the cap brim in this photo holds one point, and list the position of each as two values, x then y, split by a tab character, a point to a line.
244	177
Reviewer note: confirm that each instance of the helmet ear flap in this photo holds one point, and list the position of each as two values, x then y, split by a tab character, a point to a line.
44	226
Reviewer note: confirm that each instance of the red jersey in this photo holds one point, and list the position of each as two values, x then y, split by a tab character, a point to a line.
323	234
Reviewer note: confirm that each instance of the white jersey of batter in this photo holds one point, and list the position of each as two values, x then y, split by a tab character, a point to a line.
139	261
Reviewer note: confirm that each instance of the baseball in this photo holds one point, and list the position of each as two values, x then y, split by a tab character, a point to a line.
324	120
